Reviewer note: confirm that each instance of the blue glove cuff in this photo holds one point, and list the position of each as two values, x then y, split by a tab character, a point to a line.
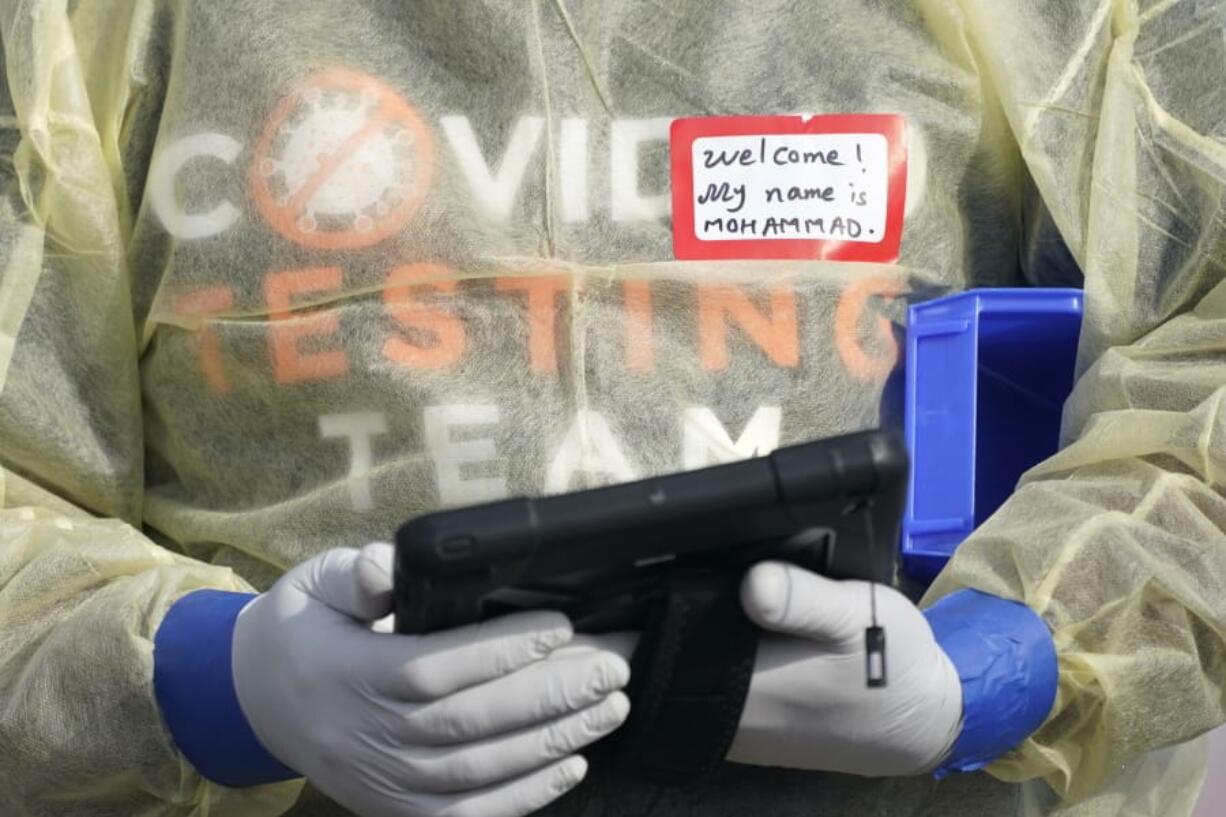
194	685
1006	660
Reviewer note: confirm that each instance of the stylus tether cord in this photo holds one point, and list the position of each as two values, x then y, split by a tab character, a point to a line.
874	636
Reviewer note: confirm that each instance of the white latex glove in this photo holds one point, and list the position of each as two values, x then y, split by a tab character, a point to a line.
808	705
463	723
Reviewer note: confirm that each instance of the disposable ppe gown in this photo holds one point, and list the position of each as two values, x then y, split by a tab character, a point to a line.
222	351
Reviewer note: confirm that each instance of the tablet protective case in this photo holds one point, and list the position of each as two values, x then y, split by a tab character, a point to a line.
832	506
664	557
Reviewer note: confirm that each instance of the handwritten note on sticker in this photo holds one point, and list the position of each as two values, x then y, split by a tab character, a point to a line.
830	187
797	186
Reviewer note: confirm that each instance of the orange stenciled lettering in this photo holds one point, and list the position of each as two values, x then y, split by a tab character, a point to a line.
862	364
640	354
543	294
445	327
204	303
290	363
775	333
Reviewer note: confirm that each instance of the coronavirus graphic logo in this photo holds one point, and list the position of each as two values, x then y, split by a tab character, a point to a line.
343	163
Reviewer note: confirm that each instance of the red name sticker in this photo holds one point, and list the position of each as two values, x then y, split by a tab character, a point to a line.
822	187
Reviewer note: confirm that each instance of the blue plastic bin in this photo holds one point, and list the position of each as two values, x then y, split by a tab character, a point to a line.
988	372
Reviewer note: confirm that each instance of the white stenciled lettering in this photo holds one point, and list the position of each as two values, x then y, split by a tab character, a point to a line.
589	449
626	137
358	428
572	169
164	172
495	191
705	441
452	457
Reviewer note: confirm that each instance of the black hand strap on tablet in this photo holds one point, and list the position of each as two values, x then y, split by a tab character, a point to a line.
691	673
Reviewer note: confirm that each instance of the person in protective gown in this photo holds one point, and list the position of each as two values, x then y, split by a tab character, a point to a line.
275	277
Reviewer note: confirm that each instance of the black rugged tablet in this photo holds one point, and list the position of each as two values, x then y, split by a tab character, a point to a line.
599	555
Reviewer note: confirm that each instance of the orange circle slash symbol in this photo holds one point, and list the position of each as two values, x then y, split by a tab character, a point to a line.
343	163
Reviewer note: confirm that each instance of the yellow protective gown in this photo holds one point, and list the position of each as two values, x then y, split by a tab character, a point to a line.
275	276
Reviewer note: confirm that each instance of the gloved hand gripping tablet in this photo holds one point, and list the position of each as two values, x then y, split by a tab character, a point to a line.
665	556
